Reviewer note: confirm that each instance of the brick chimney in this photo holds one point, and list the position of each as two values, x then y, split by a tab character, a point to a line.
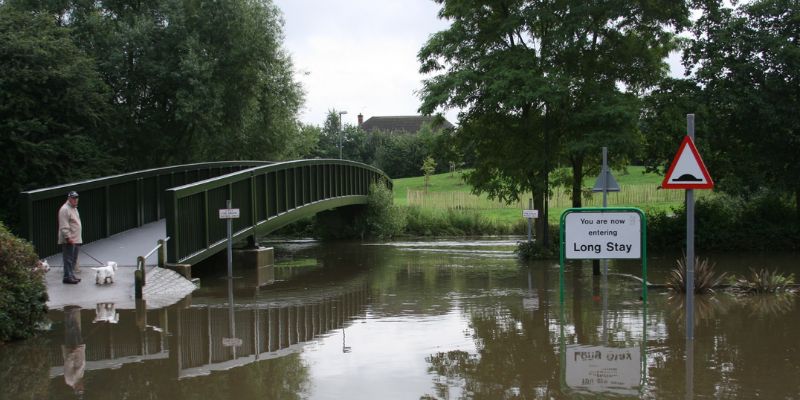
360	119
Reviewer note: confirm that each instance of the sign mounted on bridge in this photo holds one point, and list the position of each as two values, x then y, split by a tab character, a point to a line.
603	235
687	170
228	213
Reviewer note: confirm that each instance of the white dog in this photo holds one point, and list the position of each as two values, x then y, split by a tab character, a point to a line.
42	266
105	274
106	312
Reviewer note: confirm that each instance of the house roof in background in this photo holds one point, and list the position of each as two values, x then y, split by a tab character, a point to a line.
403	123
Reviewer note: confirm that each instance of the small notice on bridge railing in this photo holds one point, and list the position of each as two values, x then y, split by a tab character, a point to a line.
228	213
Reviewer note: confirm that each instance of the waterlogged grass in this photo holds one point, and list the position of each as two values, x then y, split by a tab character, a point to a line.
448	191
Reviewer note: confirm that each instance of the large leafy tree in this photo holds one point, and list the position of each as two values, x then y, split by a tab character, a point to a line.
747	59
53	108
541	82
190	80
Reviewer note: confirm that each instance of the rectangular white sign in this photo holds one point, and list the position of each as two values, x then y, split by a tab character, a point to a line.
530	213
228	213
603	235
603	369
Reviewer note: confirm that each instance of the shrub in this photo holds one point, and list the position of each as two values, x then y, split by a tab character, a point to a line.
533	251
705	279
23	295
724	222
383	219
762	281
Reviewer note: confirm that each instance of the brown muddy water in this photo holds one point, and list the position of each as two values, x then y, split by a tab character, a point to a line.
458	319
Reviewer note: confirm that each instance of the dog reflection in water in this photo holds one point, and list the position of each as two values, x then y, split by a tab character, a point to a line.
105	274
106	312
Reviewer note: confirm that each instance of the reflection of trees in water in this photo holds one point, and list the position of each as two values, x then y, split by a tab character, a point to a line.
515	355
280	378
23	373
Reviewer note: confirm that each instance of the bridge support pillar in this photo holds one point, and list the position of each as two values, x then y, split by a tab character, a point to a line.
262	259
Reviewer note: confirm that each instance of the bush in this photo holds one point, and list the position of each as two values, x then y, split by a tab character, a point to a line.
383	220
763	281
23	295
705	279
724	222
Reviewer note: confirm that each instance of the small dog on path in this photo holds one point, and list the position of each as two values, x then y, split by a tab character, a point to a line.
105	274
42	266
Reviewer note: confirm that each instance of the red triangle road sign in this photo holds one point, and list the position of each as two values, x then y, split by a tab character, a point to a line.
687	170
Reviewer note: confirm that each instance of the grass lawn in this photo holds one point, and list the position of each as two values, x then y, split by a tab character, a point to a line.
638	189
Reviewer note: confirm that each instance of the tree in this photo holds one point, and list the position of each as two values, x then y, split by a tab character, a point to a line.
747	60
428	168
539	82
53	112
190	80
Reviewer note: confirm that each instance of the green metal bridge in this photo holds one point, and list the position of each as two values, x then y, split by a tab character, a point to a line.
186	199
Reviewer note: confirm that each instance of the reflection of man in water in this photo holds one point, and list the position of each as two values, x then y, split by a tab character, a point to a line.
74	350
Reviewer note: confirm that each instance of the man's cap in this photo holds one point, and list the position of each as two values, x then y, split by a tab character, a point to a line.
72	194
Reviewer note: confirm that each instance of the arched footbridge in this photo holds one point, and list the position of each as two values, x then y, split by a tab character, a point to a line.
180	204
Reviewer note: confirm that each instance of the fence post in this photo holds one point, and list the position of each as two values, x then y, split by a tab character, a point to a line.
138	277
162	252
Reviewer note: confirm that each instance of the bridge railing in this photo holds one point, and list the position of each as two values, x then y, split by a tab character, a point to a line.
264	196
112	204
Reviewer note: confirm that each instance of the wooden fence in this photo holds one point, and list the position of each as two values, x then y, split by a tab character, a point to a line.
629	195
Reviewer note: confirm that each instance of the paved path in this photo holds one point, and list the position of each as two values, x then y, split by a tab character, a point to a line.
123	247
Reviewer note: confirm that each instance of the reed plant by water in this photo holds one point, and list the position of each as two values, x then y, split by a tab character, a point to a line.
763	281
705	278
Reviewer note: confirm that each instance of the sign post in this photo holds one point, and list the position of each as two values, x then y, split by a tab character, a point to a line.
229	214
530	214
688	171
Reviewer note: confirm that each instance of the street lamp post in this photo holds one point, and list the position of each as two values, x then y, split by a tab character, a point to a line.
340	132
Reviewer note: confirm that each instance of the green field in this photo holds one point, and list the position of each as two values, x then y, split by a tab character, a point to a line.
449	191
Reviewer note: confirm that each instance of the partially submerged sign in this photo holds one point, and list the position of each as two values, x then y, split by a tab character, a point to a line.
603	235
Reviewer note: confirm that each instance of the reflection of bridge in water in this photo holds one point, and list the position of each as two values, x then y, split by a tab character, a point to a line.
200	339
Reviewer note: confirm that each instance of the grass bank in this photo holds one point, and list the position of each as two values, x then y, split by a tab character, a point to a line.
448	192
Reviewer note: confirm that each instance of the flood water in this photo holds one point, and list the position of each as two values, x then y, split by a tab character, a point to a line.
459	319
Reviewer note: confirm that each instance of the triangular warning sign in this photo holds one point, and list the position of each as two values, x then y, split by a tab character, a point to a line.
687	170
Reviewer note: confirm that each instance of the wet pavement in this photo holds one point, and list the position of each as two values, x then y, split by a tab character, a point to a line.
163	288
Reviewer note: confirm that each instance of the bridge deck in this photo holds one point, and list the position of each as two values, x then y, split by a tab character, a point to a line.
123	247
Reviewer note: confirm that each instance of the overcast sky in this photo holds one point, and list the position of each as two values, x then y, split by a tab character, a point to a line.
359	56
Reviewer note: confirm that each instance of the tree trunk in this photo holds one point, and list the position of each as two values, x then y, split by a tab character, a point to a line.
577	181
538	204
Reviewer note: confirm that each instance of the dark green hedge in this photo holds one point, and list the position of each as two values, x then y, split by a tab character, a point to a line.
763	222
23	295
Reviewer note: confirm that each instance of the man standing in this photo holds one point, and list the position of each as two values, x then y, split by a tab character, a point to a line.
69	236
